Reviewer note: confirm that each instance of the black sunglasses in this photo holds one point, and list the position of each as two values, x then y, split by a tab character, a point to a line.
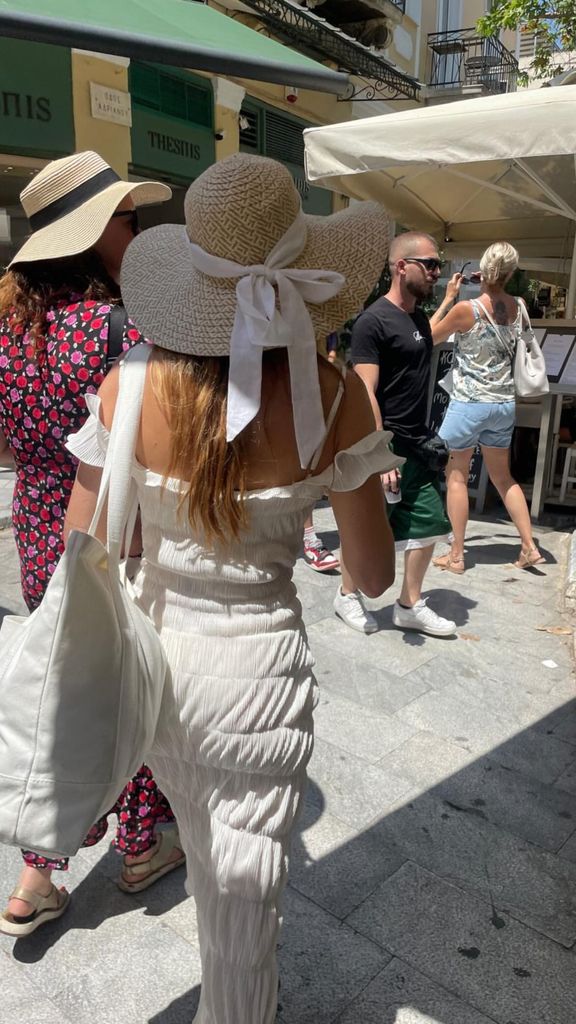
133	215
429	262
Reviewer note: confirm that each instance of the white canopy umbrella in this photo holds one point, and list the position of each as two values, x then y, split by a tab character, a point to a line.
470	173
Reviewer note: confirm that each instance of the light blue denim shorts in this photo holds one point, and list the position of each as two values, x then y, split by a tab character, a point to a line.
467	424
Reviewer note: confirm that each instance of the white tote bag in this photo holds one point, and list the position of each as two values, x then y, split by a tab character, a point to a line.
528	363
81	678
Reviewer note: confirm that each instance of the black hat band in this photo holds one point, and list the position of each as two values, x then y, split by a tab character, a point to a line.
73	199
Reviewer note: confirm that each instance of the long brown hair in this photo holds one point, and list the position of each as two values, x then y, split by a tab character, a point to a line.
29	290
192	393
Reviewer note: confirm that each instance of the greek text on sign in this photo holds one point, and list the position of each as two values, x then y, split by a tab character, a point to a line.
110	104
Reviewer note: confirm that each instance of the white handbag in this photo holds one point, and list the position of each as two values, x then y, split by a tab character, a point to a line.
530	377
528	363
81	679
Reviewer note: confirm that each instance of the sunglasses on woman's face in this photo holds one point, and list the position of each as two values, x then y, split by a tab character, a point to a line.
430	263
133	215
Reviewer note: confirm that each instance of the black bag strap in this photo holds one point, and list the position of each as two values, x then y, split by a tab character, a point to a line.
117	321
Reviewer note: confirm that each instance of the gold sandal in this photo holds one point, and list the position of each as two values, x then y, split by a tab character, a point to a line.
449	564
137	877
529	558
46	908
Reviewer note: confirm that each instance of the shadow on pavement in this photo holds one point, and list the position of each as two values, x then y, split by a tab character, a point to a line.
460	891
180	1011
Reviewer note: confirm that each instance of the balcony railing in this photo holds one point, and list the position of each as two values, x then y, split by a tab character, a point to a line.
462	58
352	10
300	26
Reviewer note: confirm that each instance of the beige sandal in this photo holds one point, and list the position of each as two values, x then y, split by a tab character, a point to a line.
46	908
137	877
449	564
529	558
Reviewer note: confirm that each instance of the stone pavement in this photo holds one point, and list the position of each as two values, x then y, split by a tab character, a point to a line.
6	489
434	871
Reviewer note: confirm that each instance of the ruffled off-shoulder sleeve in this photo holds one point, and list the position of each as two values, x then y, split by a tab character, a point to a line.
90	443
353	466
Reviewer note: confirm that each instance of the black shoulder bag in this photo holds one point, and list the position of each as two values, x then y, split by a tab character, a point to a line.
117	320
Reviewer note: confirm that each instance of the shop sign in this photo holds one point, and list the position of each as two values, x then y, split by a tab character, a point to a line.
314	200
176	148
110	104
36	116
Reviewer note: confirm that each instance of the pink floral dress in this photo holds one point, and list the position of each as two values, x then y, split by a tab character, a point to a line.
43	384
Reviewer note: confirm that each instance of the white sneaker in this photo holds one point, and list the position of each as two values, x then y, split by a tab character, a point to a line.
423	619
350	609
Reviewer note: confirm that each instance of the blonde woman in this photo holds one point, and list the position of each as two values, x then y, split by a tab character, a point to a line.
482	403
243	427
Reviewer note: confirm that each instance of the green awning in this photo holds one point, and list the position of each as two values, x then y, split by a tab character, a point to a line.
179	32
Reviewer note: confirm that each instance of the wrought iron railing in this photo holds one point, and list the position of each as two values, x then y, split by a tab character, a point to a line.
463	58
314	35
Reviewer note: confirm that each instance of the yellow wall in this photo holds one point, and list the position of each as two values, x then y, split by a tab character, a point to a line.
111	141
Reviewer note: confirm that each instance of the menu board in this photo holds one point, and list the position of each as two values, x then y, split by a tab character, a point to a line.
568	378
558	347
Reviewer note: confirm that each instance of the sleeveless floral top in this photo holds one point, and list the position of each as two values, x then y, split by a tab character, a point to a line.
483	360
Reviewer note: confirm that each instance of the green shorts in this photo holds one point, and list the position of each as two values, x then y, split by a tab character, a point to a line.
419	519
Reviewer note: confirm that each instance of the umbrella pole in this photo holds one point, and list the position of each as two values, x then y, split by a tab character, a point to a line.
571	294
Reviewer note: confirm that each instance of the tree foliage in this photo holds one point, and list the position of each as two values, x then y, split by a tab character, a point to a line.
553	21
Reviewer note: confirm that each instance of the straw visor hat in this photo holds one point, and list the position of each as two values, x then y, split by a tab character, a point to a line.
70	201
238	210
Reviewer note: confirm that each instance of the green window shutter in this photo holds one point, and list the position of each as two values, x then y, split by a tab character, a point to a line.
199	105
144	86
171	94
283	139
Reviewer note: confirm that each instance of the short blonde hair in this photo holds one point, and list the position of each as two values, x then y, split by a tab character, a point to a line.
499	261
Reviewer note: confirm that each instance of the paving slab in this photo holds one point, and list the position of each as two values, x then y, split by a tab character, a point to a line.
351	788
364	732
324	964
402	995
104	926
479	729
465	849
535	811
495	964
360	680
336	866
21	1001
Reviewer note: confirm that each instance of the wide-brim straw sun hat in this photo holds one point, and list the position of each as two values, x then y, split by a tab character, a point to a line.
250	271
70	202
238	210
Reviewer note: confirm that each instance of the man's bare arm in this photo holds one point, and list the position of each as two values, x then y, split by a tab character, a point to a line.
370	374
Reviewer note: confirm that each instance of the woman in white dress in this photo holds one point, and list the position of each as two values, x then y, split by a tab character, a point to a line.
236	445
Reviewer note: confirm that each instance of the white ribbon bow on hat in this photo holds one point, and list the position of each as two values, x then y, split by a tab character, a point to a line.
271	313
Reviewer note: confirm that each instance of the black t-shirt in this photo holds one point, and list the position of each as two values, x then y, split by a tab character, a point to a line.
400	344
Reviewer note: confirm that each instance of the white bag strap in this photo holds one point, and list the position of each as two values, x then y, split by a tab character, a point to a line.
525	318
117	483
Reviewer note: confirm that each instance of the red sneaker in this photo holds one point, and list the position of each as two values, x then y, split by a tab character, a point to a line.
320	559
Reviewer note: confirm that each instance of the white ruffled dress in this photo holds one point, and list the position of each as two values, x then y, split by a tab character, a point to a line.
235	732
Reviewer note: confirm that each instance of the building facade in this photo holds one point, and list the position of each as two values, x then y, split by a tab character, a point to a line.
155	121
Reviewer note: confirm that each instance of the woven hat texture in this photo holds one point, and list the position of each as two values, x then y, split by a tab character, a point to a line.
238	210
78	230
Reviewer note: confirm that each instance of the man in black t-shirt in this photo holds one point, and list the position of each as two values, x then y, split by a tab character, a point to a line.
391	351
